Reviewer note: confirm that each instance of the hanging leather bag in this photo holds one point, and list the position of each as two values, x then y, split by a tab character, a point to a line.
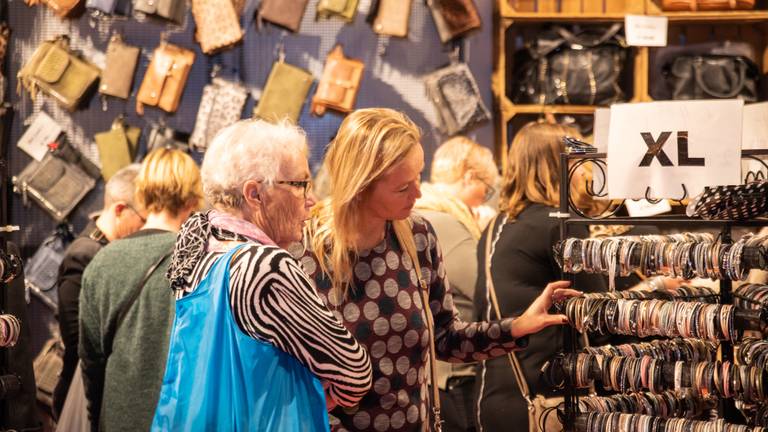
706	5
339	84
561	67
165	78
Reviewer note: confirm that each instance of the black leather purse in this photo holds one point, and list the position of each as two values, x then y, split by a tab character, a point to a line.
561	67
710	76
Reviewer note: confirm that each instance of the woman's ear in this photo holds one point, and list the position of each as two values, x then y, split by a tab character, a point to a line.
251	192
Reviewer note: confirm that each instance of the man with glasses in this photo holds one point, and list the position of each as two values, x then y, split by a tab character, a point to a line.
118	218
461	181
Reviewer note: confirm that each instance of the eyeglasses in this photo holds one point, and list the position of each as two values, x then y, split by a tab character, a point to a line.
305	185
143	219
490	191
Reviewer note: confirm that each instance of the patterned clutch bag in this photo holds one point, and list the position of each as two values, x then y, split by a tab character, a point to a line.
737	202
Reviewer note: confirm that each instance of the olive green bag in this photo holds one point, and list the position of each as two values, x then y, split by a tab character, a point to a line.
59	73
344	9
284	94
117	147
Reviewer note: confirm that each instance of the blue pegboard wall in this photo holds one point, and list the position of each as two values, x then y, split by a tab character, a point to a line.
393	78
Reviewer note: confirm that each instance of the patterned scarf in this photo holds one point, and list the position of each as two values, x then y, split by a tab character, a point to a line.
194	236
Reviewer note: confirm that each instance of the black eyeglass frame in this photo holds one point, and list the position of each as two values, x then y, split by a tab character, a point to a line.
305	185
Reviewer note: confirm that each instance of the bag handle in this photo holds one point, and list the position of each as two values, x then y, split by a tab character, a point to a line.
114	324
423	291
572	39
513	361
699	75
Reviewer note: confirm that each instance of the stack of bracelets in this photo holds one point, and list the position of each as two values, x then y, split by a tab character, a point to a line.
9	330
652	318
665	404
632	374
618	422
750	296
681	293
670	350
753	352
681	255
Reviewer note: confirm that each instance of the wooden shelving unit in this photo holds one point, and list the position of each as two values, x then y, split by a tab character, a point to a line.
698	26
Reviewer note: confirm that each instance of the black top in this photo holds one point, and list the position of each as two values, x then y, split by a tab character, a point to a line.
523	264
77	256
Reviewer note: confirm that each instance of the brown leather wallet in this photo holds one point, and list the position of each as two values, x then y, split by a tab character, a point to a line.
339	84
390	17
165	79
285	13
117	77
454	18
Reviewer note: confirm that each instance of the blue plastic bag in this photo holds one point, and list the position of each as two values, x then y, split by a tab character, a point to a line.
218	378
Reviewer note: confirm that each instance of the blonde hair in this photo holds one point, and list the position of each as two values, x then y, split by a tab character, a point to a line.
169	180
532	174
369	142
459	155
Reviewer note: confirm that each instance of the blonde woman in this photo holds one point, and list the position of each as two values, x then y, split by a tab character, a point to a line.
462	177
522	239
126	305
362	240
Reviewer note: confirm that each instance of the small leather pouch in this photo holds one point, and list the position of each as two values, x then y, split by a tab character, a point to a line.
55	184
222	105
42	269
165	78
218	24
339	84
284	94
117	147
344	9
454	92
121	65
390	17
163	136
454	18
62	8
173	10
285	13
59	73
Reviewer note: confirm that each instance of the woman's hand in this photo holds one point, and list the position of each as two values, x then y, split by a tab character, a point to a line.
537	317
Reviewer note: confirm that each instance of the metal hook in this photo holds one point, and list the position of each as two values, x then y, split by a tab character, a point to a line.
280	47
455	54
658	200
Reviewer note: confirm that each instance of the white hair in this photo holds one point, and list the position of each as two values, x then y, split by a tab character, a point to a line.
122	186
247	150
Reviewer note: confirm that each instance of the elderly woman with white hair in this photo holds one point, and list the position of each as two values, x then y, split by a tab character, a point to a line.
253	347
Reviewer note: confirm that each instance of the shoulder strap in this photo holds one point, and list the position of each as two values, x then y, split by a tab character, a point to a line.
493	235
117	320
424	292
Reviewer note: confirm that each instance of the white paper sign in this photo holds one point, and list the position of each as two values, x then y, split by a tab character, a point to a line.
600	128
43	131
644	30
755	132
664	145
644	208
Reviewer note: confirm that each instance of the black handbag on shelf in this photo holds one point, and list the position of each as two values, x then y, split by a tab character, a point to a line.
708	70
712	76
561	67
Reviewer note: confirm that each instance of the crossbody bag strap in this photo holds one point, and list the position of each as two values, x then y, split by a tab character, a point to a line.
493	235
424	293
118	319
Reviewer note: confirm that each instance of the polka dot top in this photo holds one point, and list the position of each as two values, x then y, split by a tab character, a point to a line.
384	312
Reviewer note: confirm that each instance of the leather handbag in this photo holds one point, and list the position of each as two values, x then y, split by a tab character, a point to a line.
706	5
117	147
117	78
59	73
713	77
454	18
344	9
456	97
162	136
218	24
390	17
542	415
62	8
54	184
339	83
222	105
285	13
705	70
110	7
284	94
41	271
165	78
173	10
561	67
47	367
